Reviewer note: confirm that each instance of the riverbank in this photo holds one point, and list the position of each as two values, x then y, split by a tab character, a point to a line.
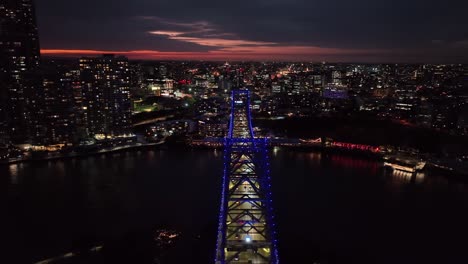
59	156
375	153
453	169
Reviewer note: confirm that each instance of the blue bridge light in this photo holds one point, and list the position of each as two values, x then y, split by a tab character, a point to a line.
246	200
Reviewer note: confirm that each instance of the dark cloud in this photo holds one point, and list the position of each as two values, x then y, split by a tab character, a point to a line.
403	30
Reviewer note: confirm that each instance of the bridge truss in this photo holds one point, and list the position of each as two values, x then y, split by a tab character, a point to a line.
246	232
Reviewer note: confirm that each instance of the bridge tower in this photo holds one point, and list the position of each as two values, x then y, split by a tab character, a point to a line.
246	231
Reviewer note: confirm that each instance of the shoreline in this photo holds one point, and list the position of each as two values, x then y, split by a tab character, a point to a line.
377	157
84	154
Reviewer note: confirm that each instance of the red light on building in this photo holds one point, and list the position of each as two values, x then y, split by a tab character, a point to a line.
352	146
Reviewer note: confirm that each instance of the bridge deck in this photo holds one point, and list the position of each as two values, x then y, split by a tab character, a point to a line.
245	232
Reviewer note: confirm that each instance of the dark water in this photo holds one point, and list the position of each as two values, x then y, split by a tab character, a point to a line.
330	208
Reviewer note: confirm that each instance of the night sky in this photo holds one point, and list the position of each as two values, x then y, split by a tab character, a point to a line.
307	30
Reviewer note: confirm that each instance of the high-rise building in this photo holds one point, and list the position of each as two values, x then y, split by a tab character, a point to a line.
276	88
337	77
48	93
59	108
224	85
162	71
106	95
19	53
316	82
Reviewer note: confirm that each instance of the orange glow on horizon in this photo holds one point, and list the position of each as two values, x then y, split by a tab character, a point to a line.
228	53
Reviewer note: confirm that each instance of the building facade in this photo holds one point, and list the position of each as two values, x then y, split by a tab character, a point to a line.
106	101
19	54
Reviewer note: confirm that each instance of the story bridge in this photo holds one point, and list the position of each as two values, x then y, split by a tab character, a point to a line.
246	230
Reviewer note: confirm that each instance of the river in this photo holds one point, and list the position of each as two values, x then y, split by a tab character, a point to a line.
329	208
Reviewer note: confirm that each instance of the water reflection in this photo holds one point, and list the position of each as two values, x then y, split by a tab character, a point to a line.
275	151
316	157
13	169
420	176
355	163
402	176
60	167
408	177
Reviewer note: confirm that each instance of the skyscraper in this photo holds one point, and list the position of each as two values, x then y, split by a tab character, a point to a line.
19	53
106	95
59	112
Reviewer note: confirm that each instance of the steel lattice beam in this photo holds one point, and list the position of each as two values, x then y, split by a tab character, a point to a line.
246	227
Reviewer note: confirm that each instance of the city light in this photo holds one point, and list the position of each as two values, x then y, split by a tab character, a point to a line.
114	115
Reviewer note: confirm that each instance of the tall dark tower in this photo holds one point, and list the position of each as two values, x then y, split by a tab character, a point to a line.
19	54
106	95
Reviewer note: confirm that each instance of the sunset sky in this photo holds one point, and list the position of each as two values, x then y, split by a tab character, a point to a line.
336	30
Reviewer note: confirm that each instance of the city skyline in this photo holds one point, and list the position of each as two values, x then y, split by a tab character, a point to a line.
364	31
181	132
